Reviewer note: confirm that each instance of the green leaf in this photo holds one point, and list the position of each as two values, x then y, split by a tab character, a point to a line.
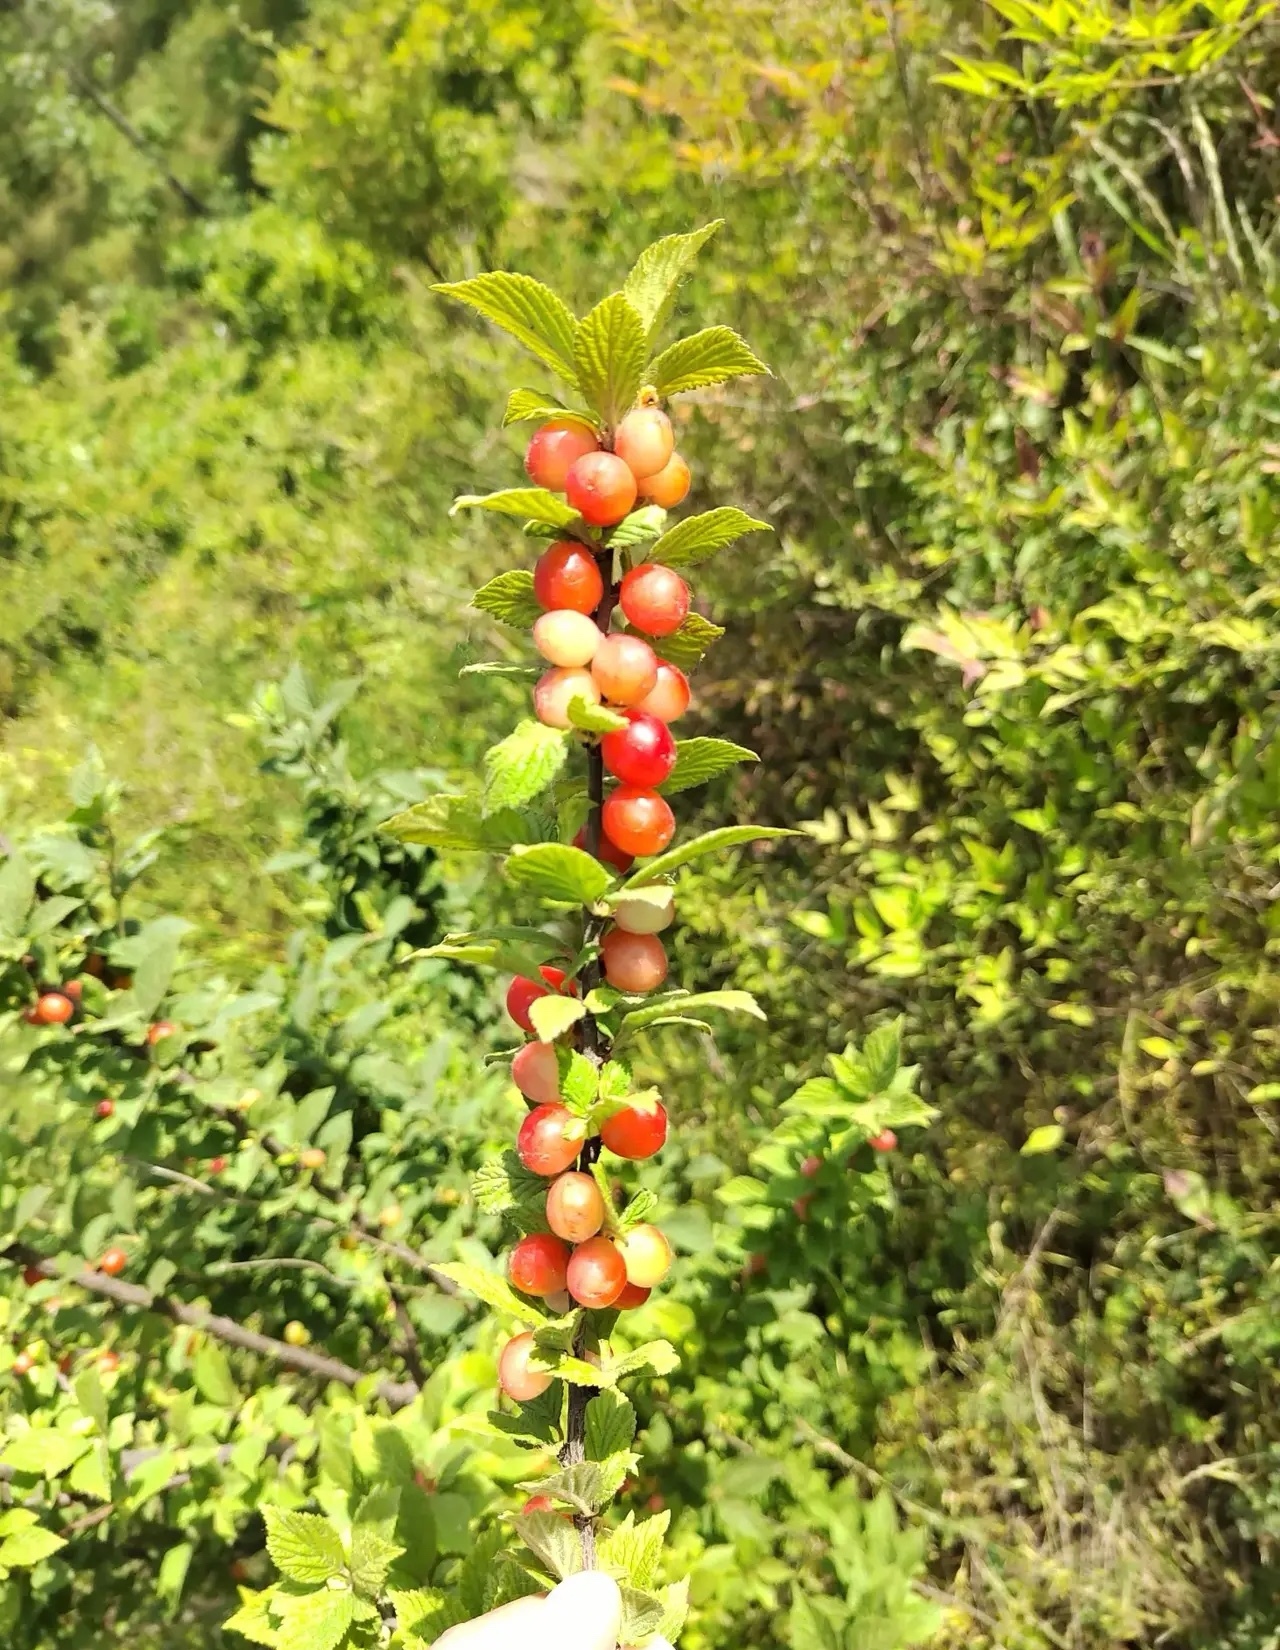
712	842
639	1209
698	760
655	280
91	1475
29	1547
44	1452
1047	1138
510	1579
91	1398
709	357
730	1002
654	1358
633	1552
696	538
533	503
172	1575
303	1546
212	1375
510	599
610	353
529	311
638	528
579	1080
17	890
641	1614
458	822
374	1548
595	718
252	1620
587	1487
675	1610
493	1291
523	405
553	1540
522	765
514	950
685	647
551	870
313	1621
503	1186
413	1606
498	667
611	1426
553	1015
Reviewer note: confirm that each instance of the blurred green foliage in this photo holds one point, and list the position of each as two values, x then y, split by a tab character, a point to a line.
1011	657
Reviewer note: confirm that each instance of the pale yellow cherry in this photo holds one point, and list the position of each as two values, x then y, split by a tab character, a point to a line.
566	638
557	690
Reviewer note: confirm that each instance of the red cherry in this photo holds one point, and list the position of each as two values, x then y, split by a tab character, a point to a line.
515	1377
639	821
159	1031
885	1141
643	753
633	962
654	598
105	1109
554	449
625	669
538	1264
607	852
95	964
31	1276
113	1262
637	1132
537	1504
217	1165
567	579
53	1008
597	1273
601	488
800	1208
669	487
73	989
632	1296
811	1168
522	992
668	698
550	1139
535	1071
23	1364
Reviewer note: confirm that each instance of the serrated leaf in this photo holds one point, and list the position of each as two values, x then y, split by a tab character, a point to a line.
611	1426
675	1610
655	278
711	842
551	870
579	1080
374	1548
553	1014
91	1475
503	1186
639	1209
91	1398
654	1358
212	1375
458	822
609	354
696	538
303	1546
553	1540
687	646
251	1620
414	1606
587	1486
699	760
523	405
595	718
522	765
313	1621
493	1291
711	356
638	528
44	1452
509	598
533	315
29	1547
533	503
641	1614
17	890
508	1580
537	1422
1047	1138
633	1552
729	1002
514	950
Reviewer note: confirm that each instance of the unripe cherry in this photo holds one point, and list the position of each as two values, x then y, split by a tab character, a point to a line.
567	638
536	1073
555	692
555	448
642	916
636	1132
643	753
550	1139
669	487
633	962
597	1273
522	992
632	1296
640	822
600	488
654	599
624	669
566	577
516	1379
646	1254
538	1263
668	698
645	441
575	1207
607	851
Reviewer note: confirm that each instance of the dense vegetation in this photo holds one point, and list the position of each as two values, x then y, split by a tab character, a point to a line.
1009	658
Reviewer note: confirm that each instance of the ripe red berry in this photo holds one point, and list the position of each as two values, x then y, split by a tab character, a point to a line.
644	916
811	1168
597	1273
53	1008
885	1141
538	1264
556	690
73	989
23	1364
600	488
95	964
550	1139
669	487
113	1262
567	638
31	1276
537	1504
625	669
643	753
645	441
633	962
159	1031
607	851
105	1109
554	449
108	1361
566	578
575	1207
800	1208
217	1165
668	698
535	1071
637	1132
640	822
646	1254
654	599
523	991
632	1296
515	1377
